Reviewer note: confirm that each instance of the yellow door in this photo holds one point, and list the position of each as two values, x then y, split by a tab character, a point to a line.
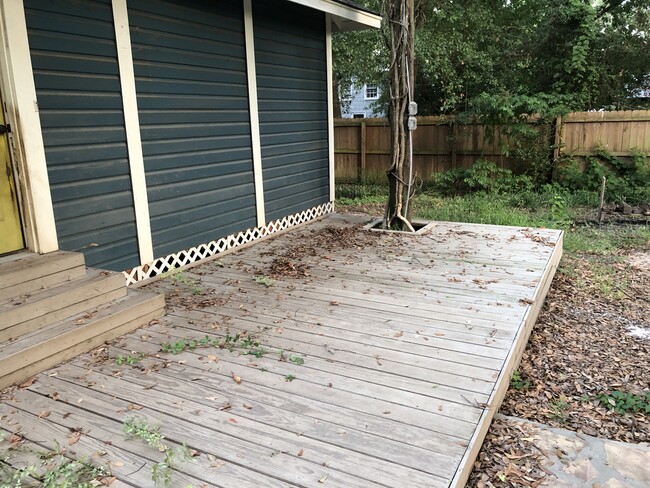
11	235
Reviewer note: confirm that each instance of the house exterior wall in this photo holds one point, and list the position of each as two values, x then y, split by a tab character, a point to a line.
190	74
190	71
76	74
170	130
357	104
292	98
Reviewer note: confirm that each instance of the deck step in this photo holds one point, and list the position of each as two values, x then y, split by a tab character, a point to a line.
23	314
28	272
60	341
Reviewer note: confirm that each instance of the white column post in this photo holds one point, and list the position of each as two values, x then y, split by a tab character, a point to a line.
132	126
330	101
26	137
258	175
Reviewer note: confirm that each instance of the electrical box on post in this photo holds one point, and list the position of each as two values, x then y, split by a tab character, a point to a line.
412	123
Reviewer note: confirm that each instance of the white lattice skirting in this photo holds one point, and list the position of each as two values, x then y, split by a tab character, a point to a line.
213	248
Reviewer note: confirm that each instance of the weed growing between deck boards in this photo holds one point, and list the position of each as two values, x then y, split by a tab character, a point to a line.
264	280
177	277
162	471
246	344
47	469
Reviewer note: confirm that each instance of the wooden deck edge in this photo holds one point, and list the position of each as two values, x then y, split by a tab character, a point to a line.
511	363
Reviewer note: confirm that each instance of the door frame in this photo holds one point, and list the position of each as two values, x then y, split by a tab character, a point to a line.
26	138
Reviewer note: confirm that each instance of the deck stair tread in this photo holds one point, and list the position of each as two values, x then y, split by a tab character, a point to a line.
53	308
27	272
78	328
21	315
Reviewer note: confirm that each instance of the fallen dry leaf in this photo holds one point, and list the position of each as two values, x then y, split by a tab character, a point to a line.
74	438
27	383
236	378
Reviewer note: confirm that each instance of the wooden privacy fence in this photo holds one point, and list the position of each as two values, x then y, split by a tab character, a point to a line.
362	146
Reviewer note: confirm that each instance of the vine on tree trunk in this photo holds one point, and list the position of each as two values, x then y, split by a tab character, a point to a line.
398	31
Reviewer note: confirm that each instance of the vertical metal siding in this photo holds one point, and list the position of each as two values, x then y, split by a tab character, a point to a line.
190	68
72	45
292	98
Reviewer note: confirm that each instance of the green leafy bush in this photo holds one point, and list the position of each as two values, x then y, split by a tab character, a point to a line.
623	402
628	178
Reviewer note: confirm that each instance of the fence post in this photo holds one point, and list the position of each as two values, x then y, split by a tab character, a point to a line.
557	143
454	136
362	151
557	138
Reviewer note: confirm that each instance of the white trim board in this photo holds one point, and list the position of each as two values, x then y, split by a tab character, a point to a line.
26	138
132	127
256	145
344	17
330	106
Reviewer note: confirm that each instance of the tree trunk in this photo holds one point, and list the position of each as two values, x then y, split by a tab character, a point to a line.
337	98
399	35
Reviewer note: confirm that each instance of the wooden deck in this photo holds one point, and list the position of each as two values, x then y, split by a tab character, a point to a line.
381	362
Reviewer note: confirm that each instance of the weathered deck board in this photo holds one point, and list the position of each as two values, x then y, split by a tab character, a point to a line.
408	345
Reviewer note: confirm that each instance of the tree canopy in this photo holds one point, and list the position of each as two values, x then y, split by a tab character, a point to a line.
516	56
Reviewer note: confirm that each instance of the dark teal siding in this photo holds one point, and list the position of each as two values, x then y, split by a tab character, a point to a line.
72	45
190	69
292	99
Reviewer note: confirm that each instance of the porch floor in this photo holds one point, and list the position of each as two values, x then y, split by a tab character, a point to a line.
381	361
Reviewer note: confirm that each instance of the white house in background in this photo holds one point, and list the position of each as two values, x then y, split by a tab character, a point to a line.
360	104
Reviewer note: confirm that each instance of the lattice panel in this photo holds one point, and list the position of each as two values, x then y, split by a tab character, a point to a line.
213	248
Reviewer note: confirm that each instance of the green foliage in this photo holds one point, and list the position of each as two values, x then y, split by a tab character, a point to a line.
296	359
162	471
191	344
518	383
178	278
483	176
130	360
139	428
628	179
626	402
14	478
265	280
289	378
559	408
606	239
73	474
544	54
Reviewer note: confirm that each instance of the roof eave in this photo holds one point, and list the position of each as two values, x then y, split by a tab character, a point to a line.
344	18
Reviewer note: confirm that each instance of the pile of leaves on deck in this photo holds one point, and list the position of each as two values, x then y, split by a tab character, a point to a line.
586	366
294	261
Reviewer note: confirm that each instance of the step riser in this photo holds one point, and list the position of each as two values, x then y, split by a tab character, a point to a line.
31	361
42	282
27	271
30	316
